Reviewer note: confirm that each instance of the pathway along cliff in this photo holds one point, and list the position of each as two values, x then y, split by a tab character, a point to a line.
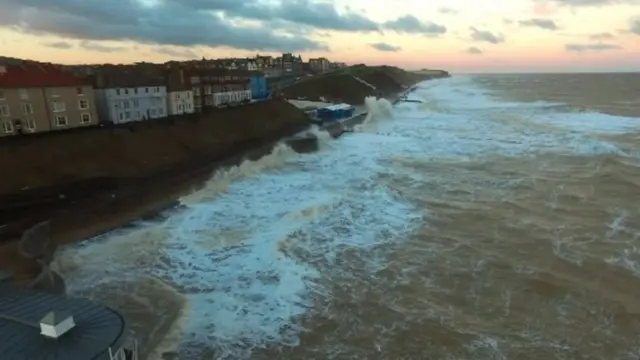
459	228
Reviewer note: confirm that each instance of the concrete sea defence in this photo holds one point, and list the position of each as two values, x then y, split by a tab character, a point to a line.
58	172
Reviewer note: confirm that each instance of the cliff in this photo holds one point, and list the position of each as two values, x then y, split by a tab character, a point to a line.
353	84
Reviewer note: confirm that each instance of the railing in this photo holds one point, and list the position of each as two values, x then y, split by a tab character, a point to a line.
124	353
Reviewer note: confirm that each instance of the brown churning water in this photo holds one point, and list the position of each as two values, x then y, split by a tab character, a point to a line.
470	226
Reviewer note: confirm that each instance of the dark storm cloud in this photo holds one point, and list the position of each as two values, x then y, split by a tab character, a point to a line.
385	47
580	48
168	23
198	22
539	23
320	15
474	51
63	45
410	24
486	36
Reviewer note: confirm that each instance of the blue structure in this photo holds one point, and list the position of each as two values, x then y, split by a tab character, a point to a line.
259	87
335	112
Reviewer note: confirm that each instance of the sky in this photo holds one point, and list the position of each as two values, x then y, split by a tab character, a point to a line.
456	35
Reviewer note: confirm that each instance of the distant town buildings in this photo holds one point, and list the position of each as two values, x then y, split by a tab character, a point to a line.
37	97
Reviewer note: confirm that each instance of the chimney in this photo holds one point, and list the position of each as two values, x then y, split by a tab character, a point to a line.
55	324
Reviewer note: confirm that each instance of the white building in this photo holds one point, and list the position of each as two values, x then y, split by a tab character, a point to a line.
125	104
231	97
180	102
180	98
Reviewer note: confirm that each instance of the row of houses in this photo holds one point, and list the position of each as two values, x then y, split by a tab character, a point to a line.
36	97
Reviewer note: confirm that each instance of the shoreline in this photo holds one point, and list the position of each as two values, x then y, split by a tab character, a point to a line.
149	199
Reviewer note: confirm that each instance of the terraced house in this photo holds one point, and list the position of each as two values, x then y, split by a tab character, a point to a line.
38	97
214	87
128	93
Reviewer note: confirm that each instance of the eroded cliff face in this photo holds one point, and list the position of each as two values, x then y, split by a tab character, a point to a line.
139	150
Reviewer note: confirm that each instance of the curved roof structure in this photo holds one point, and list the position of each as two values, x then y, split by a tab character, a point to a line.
97	327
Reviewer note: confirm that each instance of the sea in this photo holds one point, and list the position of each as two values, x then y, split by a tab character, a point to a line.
495	217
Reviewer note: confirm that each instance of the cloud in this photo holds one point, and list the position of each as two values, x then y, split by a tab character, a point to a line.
448	11
474	50
177	53
320	15
539	23
63	45
97	47
410	24
581	48
385	47
486	36
170	22
601	36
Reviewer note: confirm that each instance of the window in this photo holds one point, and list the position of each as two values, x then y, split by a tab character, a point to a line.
135	91
7	127
4	110
83	104
30	124
125	104
2	96
121	116
127	115
136	103
59	106
85	118
117	91
24	95
157	89
160	111
126	91
27	109
79	91
196	91
61	120
146	90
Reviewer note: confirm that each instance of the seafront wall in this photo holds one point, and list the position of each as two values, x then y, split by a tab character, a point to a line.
138	150
59	172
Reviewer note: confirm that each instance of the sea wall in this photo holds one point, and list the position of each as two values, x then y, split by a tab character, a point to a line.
138	150
61	172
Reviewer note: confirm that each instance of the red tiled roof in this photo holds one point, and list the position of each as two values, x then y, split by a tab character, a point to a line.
27	75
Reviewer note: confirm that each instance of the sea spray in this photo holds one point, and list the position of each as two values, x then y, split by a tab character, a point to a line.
221	179
376	109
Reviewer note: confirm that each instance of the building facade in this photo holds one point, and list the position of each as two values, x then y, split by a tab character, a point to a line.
219	87
125	95
180	98
320	64
39	97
